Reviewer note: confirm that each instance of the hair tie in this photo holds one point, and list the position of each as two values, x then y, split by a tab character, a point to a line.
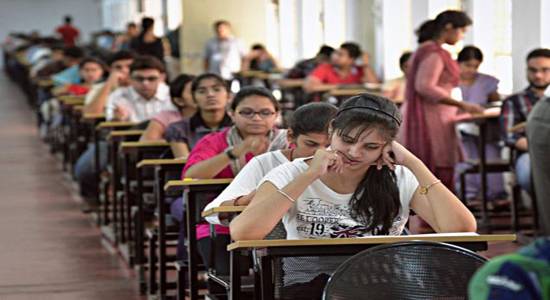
370	108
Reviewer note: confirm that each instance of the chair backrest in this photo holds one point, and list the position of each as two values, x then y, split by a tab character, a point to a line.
410	270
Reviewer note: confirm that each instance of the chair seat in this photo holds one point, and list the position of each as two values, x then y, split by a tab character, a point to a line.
491	166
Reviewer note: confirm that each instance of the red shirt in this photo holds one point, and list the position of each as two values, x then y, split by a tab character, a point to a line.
328	75
68	33
77	89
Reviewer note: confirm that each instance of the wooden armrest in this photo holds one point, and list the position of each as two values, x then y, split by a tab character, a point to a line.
346	92
191	182
290	83
92	117
114	124
161	162
78	108
144	144
44	82
518	127
223	209
123	133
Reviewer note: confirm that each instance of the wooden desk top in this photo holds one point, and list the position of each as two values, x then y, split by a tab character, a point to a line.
518	127
88	116
490	113
174	184
114	124
466	237
139	144
72	101
290	83
44	82
123	133
161	162
223	209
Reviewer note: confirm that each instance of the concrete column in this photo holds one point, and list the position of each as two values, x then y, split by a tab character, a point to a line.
530	29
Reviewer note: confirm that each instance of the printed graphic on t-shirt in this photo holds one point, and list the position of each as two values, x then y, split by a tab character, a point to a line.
321	219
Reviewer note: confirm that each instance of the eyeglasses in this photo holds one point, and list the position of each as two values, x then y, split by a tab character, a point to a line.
535	70
143	78
249	113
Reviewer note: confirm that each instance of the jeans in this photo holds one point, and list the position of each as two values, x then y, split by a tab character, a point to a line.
85	169
523	172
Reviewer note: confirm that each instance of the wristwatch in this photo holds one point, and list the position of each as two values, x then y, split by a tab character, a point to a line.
229	153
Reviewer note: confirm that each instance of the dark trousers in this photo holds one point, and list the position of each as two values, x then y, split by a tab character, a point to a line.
538	134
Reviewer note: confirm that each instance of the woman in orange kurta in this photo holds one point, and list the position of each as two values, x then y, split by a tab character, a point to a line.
429	110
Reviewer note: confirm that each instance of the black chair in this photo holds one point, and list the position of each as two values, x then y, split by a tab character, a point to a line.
410	270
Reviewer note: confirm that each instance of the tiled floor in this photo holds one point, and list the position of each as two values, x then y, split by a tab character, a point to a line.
48	248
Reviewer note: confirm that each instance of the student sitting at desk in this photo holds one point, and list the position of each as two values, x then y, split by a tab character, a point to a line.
180	94
259	59
210	93
341	70
223	154
364	184
307	132
480	89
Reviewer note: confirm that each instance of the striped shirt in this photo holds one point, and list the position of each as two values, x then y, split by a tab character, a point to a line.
515	110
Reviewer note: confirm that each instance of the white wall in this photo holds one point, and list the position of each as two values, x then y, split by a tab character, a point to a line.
46	15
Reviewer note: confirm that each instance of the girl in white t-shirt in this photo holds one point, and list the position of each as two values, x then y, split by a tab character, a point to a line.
363	185
307	132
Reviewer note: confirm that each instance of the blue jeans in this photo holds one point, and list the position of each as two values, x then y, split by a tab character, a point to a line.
523	172
85	169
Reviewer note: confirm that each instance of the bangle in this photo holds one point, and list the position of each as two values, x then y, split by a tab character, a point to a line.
424	189
286	195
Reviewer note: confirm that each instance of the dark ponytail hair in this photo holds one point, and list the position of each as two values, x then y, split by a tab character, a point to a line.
375	202
468	53
431	29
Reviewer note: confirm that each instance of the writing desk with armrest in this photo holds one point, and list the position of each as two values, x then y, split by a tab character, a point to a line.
198	192
163	169
269	251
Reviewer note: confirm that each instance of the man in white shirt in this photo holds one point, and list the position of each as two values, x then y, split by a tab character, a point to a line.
146	96
119	68
223	54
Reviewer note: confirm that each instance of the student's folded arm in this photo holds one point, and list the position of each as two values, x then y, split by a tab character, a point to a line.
314	84
439	207
179	149
153	132
268	207
206	160
99	100
239	192
369	75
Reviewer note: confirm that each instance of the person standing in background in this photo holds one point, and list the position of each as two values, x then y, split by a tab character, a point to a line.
146	43
429	111
68	32
223	54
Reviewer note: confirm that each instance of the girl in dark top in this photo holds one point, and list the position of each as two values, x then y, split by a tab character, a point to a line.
147	43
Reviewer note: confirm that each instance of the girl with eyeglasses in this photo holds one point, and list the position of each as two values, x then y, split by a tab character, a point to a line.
307	132
223	154
364	184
